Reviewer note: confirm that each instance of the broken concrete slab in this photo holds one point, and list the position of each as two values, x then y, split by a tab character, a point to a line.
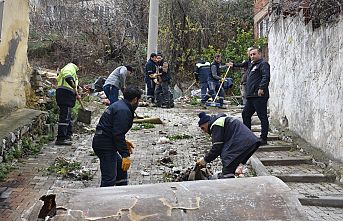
258	198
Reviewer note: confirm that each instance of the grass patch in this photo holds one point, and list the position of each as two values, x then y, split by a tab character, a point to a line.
69	169
63	168
167	177
194	101
26	148
143	126
5	168
179	137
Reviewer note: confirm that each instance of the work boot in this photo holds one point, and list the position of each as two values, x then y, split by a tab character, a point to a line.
63	142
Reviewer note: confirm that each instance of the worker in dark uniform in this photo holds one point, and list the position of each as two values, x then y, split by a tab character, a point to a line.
150	71
66	95
215	79
202	71
231	140
109	142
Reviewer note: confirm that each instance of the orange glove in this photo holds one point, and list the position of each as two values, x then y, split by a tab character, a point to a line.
201	162
126	163
129	146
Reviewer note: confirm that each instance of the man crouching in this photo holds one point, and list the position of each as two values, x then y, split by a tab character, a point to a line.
231	139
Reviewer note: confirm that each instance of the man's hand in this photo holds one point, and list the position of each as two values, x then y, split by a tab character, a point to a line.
201	162
222	80
260	92
129	146
78	97
230	65
126	163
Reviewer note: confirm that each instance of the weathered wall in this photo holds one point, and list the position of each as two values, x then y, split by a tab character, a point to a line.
13	54
306	81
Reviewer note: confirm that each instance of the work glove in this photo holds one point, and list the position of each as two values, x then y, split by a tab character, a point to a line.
126	163
129	146
152	75
201	162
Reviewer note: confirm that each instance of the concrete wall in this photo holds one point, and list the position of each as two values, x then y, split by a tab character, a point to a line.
14	75
307	80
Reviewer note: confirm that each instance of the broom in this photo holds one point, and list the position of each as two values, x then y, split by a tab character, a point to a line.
213	103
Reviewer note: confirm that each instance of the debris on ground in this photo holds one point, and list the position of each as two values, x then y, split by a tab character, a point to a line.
163	140
69	169
179	137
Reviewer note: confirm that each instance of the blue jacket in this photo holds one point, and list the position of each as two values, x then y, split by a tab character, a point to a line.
114	123
230	138
202	71
150	68
258	78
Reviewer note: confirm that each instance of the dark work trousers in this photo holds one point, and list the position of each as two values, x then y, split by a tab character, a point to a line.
229	171
258	105
110	167
203	88
150	88
213	89
112	93
64	123
162	93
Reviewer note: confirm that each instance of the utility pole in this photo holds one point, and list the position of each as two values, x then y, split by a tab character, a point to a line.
153	27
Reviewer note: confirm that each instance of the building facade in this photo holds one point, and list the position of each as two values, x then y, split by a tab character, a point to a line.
14	71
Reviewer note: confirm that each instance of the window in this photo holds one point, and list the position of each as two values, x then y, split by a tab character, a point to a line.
263	27
1	15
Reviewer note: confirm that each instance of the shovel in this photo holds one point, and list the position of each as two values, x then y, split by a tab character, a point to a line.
83	114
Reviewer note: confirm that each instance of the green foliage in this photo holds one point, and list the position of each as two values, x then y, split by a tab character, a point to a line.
236	51
29	147
167	177
194	101
53	112
63	167
75	110
143	126
179	137
5	168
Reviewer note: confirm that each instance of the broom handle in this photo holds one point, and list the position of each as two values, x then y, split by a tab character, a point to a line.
227	71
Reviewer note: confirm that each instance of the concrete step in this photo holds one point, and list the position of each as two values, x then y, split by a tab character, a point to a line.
307	178
271	148
273	137
278	154
286	161
295	169
256	129
323	201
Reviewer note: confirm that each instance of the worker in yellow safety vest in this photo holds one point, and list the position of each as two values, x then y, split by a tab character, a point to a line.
66	95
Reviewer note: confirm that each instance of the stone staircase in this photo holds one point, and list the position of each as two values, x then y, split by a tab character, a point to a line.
316	188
